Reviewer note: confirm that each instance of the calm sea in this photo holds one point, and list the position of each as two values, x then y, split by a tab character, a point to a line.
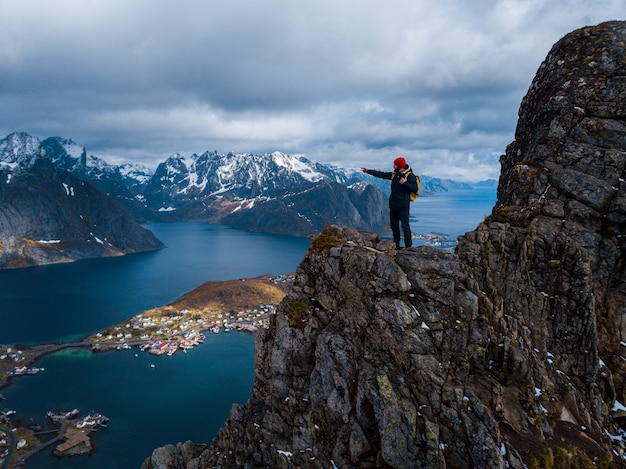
451	214
66	301
153	401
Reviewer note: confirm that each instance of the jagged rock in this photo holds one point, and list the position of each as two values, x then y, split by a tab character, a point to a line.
182	456
507	353
165	457
123	182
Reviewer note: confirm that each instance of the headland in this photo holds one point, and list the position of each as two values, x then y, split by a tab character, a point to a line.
218	306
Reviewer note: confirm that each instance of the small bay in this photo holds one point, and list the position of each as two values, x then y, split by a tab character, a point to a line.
150	401
153	401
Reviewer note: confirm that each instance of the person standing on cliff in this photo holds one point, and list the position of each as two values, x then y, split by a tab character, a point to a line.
403	182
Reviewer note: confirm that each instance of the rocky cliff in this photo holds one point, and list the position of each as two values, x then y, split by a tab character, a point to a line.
510	352
48	215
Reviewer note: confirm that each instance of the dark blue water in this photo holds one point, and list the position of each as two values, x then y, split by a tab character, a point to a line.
451	214
65	301
187	396
184	397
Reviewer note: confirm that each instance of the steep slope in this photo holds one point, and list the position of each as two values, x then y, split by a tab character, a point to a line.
510	352
308	212
48	215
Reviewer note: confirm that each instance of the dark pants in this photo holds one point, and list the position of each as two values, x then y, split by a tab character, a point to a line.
397	216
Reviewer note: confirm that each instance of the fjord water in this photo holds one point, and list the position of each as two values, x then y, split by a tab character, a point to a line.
154	401
452	214
151	401
66	301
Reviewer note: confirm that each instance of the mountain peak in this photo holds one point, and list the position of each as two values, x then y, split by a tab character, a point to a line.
300	165
50	215
20	149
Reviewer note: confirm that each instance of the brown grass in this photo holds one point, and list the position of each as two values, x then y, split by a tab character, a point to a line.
223	296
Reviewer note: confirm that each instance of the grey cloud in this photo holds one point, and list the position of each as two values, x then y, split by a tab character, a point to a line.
346	83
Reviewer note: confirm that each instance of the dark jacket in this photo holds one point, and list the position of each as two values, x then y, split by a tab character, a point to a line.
399	197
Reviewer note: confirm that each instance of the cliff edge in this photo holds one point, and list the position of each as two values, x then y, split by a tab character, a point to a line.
509	352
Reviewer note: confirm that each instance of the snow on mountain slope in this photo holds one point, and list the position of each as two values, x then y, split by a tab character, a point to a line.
72	149
299	165
135	171
242	175
20	150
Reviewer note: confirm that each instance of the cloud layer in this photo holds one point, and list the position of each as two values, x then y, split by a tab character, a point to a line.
350	83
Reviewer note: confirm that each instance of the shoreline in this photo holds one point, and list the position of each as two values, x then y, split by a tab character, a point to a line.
182	317
32	353
244	304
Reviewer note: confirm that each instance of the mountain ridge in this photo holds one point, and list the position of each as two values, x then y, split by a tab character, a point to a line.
265	193
143	173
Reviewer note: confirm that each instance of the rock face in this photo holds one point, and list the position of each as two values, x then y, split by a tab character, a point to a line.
510	352
48	215
123	183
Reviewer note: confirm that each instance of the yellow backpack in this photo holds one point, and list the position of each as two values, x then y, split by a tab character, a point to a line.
412	195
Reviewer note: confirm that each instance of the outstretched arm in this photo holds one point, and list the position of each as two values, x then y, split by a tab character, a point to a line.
378	174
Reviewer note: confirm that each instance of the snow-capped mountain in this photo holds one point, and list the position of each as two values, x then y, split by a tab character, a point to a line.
72	157
19	151
48	214
272	192
234	176
135	175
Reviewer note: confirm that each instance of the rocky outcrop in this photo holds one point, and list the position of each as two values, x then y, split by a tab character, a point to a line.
48	215
510	352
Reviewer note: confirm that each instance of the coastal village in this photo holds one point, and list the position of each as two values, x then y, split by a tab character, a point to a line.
214	307
166	335
243	305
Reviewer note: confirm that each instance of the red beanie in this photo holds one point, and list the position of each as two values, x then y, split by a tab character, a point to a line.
400	162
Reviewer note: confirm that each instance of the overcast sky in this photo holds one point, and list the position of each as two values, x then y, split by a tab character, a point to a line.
347	82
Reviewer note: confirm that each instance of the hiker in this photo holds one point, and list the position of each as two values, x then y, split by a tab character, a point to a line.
403	182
